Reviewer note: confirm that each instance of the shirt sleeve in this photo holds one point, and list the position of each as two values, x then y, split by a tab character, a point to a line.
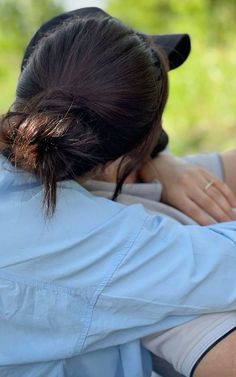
171	274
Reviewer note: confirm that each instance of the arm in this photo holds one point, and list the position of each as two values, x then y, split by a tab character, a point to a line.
220	360
186	187
170	274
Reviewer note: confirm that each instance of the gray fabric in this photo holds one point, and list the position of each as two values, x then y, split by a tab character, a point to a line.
183	345
139	193
149	194
210	161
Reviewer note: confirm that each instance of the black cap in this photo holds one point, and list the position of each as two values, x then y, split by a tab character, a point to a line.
176	46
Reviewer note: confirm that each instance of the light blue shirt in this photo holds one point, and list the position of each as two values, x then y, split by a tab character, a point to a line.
78	291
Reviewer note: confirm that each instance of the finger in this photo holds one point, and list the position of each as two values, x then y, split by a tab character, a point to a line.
221	201
223	188
226	191
203	200
194	211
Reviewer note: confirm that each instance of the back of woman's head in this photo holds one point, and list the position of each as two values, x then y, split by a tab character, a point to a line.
92	91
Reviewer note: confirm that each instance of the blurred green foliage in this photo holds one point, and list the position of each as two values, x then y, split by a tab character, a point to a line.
18	21
201	112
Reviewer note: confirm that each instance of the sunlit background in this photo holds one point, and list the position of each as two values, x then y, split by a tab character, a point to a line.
201	112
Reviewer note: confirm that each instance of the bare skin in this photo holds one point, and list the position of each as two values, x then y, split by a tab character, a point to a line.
220	361
184	186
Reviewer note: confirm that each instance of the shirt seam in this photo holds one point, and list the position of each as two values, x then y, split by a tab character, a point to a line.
39	284
106	283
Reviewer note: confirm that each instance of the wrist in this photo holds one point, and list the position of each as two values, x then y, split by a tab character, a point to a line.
166	164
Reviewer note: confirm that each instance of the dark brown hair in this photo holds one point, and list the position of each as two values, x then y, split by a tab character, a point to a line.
92	91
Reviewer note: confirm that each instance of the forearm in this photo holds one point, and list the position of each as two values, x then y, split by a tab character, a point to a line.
160	167
220	360
186	187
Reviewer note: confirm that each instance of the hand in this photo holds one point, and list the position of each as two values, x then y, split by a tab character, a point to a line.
187	188
108	173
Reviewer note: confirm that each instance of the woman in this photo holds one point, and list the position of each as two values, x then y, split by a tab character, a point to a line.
185	184
84	278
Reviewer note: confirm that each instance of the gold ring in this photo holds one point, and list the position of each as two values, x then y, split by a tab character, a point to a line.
208	185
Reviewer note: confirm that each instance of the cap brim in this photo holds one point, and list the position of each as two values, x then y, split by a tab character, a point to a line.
176	46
